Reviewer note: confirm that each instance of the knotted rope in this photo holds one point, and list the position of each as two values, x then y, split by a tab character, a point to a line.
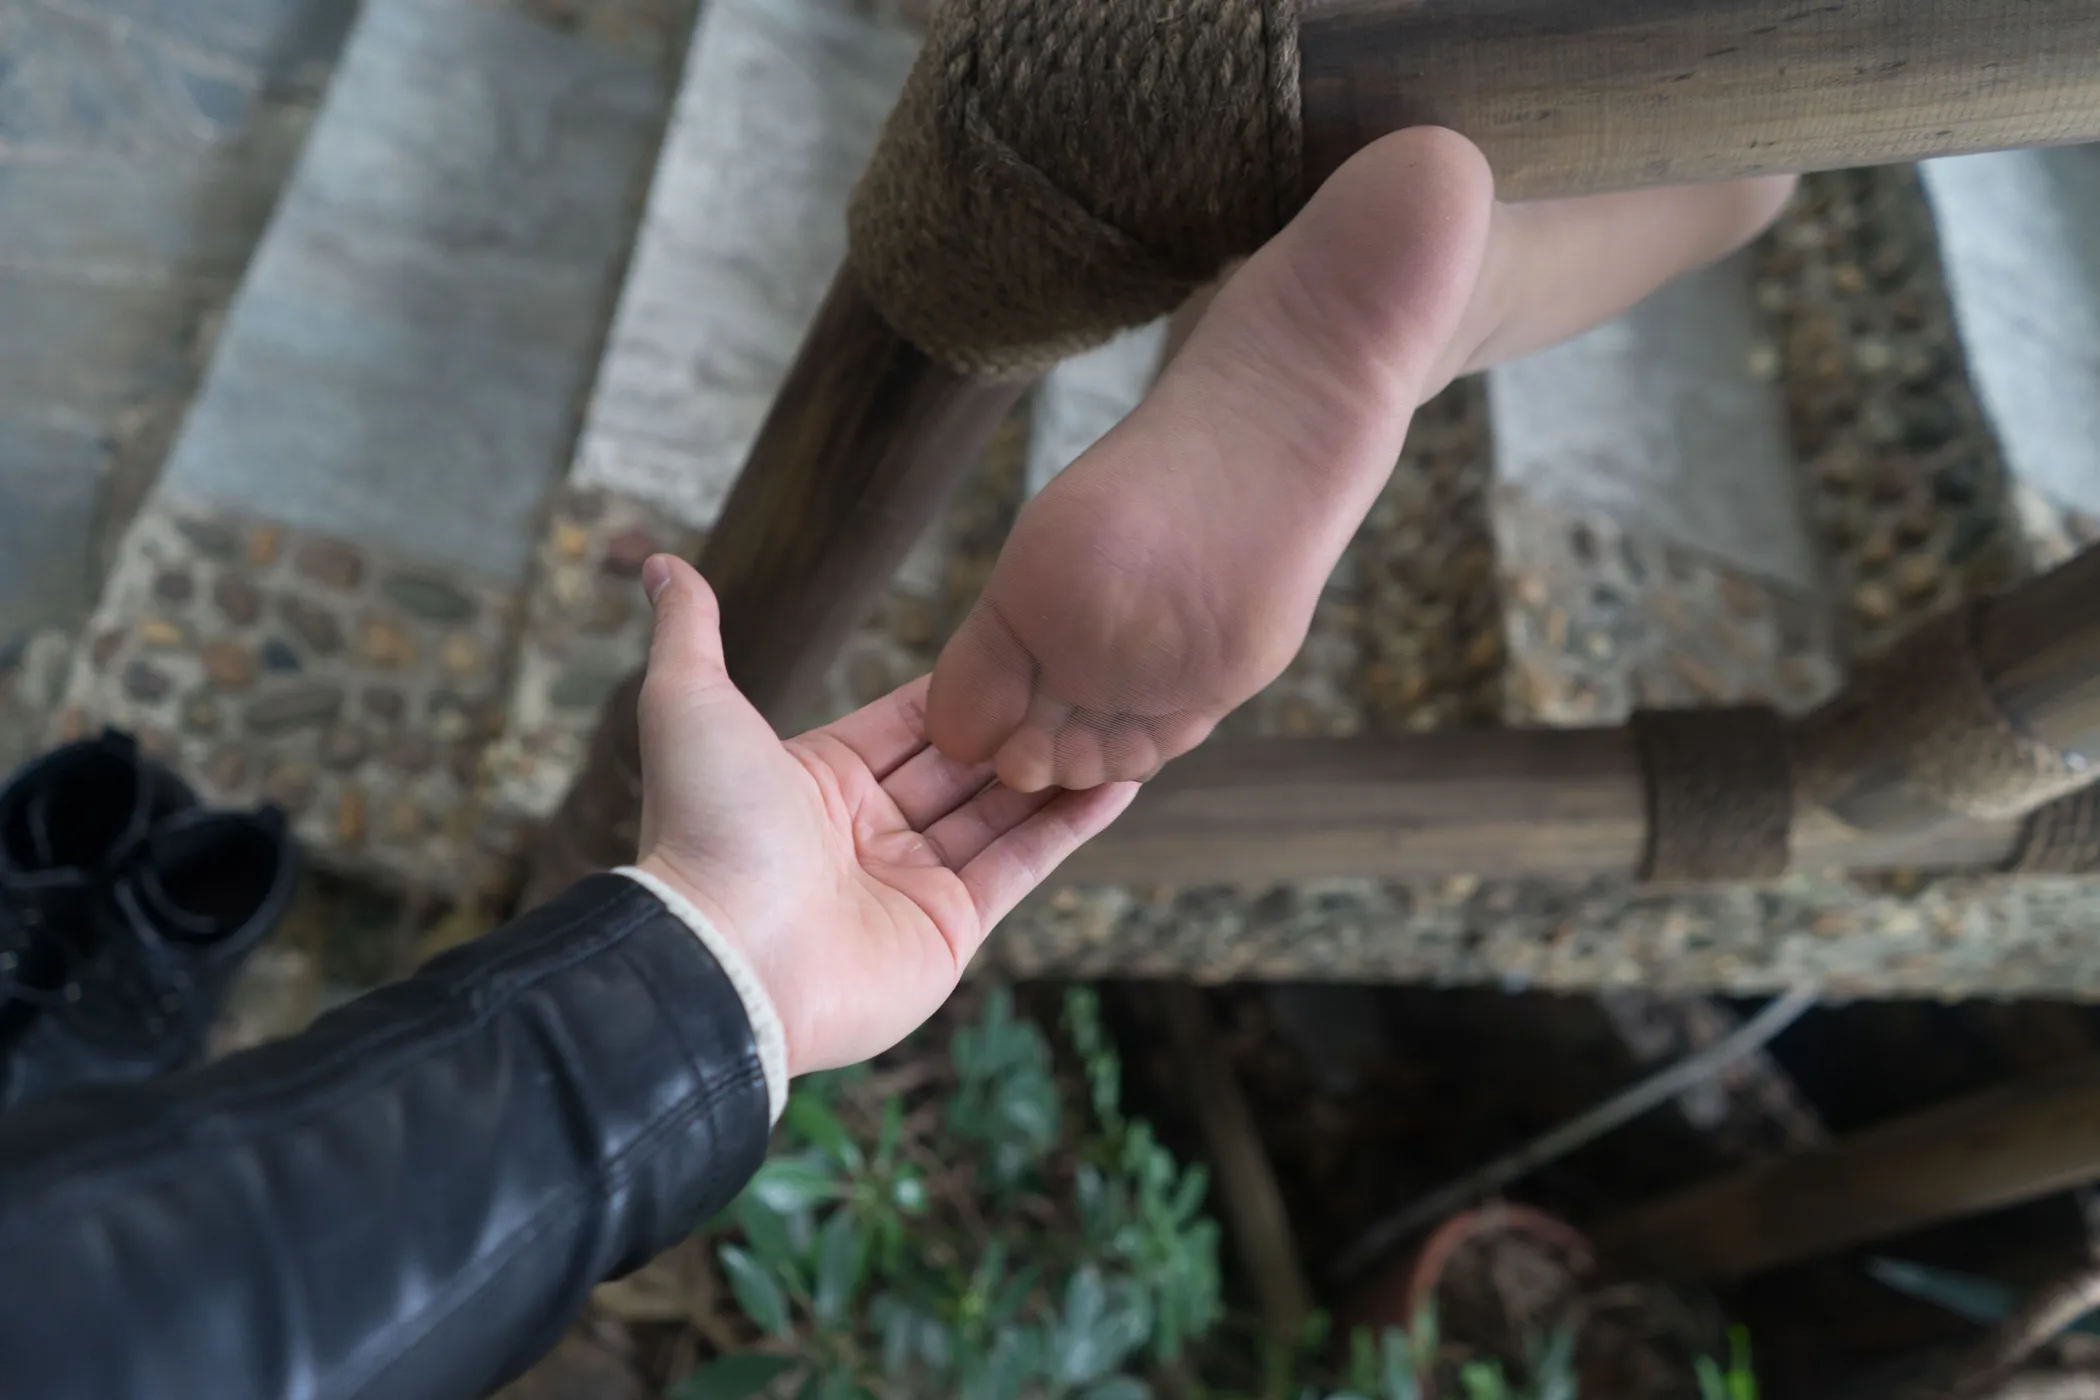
2062	838
1925	713
1059	170
1720	793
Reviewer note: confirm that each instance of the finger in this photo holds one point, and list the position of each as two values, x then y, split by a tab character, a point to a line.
685	652
1024	857
1558	267
962	835
929	785
885	733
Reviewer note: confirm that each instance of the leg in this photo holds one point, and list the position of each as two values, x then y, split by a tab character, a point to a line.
1170	574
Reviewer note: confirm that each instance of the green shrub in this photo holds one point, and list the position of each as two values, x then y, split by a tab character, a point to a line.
1062	1255
866	1283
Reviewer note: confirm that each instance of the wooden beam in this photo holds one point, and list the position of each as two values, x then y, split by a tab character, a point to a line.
1503	802
868	434
1998	1148
1570	99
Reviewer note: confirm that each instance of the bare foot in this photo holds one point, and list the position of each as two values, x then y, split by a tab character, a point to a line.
1170	573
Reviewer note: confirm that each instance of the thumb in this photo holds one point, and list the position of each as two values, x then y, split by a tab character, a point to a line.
686	650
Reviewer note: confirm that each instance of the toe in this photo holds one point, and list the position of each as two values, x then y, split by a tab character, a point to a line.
1030	759
980	690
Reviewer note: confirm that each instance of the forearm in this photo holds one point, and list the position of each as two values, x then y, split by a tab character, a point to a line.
409	1200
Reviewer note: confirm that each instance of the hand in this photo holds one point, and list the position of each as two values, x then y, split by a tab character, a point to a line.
855	867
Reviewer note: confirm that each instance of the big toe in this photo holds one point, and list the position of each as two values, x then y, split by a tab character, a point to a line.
981	688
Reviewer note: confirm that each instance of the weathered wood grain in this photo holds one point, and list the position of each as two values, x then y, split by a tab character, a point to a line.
1582	98
1998	1148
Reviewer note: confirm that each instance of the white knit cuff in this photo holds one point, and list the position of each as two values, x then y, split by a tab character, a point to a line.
766	1028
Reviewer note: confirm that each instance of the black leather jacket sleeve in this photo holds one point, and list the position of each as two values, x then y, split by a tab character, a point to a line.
408	1201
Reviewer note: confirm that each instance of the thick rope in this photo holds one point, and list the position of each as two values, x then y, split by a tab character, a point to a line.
2062	838
1924	713
1720	793
1059	170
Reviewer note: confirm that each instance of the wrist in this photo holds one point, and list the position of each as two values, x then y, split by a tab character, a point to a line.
693	907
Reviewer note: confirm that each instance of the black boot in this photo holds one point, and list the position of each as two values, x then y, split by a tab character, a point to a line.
67	821
200	892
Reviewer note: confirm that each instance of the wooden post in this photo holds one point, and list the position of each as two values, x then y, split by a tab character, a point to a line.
868	434
865	441
1998	1148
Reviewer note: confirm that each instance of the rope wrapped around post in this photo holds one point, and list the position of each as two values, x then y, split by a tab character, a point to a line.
1720	791
1055	172
2062	838
1919	739
1922	736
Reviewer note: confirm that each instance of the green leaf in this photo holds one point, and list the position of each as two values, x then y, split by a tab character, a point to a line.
899	1326
909	1193
1015	1360
1189	1198
765	1231
756	1291
1125	1326
733	1377
936	1346
842	1253
1742	1380
1085	1299
1363	1360
1013	1296
789	1184
1423	1340
1712	1385
1400	1360
892	1133
810	1387
1028	1105
811	1118
1483	1380
1553	1370
1076	1346
838	1385
1118	1388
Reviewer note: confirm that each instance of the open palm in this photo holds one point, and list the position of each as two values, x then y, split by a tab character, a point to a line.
858	868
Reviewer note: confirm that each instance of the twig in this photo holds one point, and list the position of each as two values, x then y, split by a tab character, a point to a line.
1260	1225
1658	1088
2032	1327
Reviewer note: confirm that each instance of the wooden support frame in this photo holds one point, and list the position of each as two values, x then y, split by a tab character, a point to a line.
2001	1147
868	434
